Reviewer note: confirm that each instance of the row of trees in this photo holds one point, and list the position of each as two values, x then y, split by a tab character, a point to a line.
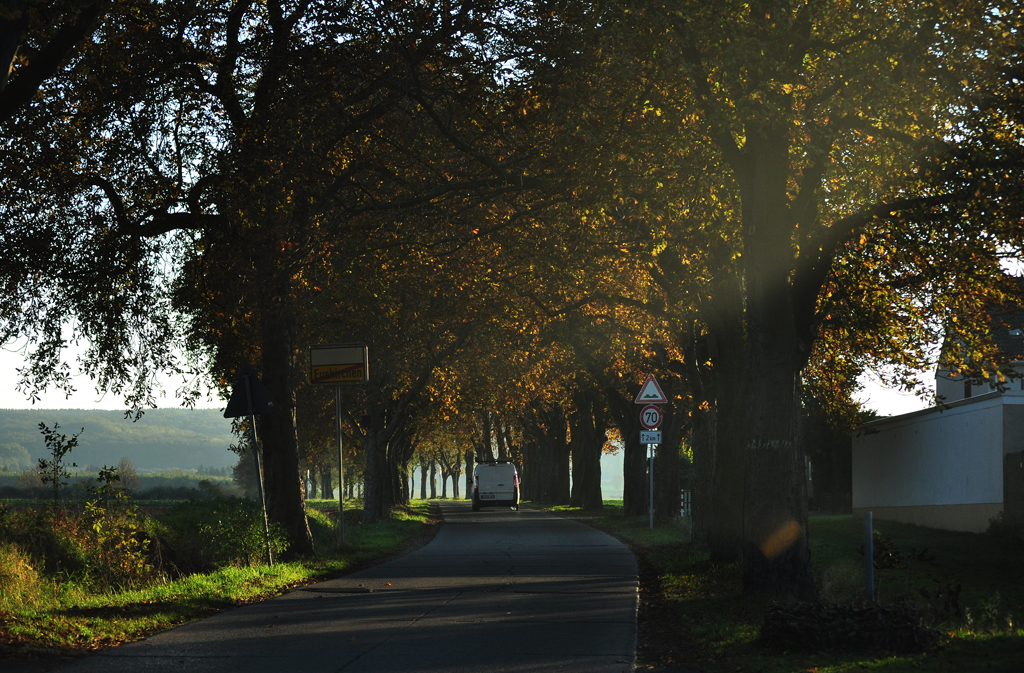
521	207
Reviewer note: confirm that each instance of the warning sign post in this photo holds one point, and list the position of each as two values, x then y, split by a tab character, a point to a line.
650	417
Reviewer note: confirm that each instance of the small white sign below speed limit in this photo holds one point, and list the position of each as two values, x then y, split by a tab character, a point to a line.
650	417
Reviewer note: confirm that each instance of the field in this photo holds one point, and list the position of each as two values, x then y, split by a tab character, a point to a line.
693	614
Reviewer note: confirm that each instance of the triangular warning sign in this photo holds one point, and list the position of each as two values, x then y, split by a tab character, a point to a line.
256	399
650	392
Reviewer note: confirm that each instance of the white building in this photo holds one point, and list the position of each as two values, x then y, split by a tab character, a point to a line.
956	466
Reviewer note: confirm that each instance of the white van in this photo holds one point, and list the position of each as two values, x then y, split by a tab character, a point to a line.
495	484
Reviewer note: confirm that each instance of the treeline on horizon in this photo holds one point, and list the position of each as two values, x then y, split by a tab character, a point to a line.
162	439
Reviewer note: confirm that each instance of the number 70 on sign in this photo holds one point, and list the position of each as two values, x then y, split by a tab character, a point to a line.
650	417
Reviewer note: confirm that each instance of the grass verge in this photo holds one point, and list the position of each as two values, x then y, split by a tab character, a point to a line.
693	615
63	617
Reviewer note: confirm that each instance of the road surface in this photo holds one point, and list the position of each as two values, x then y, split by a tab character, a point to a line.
496	591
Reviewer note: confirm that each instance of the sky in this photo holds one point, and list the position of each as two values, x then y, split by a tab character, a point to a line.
85	396
886	401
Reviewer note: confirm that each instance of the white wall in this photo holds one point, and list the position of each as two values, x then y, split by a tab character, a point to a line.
932	457
949	388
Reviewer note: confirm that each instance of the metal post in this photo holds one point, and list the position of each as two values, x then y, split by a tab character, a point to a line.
341	472
651	471
869	558
259	471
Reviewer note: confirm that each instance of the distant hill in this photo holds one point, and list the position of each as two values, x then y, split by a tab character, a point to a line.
162	439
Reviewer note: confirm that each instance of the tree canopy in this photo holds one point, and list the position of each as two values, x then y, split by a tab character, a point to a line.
523	208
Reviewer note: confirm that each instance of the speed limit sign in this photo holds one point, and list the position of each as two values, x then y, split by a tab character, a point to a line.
650	417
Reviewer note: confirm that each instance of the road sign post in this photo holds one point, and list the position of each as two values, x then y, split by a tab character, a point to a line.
338	365
650	418
650	469
248	398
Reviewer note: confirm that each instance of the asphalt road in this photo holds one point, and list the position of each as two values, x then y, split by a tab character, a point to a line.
496	590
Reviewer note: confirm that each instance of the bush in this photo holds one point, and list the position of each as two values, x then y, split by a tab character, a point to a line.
204	490
51	537
200	536
1003	526
821	627
117	532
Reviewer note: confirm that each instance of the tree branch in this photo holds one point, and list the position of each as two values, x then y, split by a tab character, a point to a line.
16	93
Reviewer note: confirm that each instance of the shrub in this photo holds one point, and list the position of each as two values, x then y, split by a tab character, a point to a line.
29	479
117	533
817	627
1003	526
52	537
200	536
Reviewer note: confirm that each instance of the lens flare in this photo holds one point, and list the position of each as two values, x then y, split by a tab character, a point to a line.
781	539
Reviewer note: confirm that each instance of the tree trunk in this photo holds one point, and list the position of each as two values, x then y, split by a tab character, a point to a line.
469	473
374	476
433	480
282	481
486	450
703	443
634	473
725	320
502	449
455	481
326	490
528	488
423	479
776	557
666	465
586	445
551	475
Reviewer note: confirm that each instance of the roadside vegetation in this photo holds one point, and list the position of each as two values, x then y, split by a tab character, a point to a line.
694	615
94	575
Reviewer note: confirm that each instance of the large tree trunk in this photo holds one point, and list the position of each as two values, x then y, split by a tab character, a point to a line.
776	557
433	479
282	482
727	352
470	457
423	479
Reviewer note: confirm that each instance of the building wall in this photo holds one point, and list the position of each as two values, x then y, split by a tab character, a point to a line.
949	388
939	468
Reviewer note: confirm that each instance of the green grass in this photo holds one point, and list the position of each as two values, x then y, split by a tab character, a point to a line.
716	626
64	615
